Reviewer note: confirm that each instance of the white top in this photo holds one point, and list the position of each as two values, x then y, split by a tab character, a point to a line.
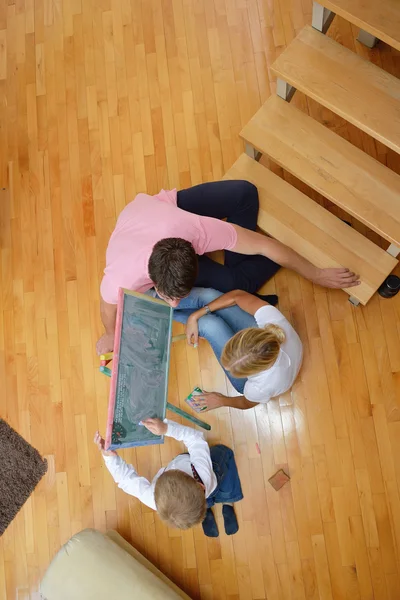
280	377
199	456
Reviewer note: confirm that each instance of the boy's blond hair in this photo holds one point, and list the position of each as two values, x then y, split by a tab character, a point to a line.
252	350
180	500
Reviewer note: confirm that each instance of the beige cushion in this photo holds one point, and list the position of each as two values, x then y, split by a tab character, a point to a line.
93	566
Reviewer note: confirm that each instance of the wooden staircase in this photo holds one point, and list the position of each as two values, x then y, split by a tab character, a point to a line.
367	97
289	216
347	84
333	167
379	19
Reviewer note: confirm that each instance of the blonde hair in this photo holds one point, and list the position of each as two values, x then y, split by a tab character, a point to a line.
180	500
252	350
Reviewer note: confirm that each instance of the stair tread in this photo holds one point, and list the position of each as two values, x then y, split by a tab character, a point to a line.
339	79
381	19
341	172
297	221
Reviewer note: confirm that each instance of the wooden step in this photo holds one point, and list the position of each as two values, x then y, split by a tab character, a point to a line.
350	86
353	180
289	216
380	19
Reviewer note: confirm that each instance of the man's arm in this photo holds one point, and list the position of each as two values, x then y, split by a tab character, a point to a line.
250	242
108	313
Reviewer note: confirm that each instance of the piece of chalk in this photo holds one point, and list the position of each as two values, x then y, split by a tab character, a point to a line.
140	423
195	345
106	371
258	448
106	356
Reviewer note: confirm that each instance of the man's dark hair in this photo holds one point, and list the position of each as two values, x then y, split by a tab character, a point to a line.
173	267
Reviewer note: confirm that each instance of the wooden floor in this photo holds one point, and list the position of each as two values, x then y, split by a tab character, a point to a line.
101	99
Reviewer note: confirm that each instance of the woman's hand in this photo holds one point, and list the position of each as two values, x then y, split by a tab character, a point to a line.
210	400
156	426
99	441
192	331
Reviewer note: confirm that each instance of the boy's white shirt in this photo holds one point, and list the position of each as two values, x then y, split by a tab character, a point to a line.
199	456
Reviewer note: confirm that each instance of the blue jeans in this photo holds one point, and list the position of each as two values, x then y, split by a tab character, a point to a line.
217	328
228	488
237	201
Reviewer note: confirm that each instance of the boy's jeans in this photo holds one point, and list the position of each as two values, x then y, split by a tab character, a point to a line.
217	328
228	488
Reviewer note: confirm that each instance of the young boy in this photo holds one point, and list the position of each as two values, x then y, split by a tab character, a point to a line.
184	491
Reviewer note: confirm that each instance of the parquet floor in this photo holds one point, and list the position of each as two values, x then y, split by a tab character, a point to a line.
101	99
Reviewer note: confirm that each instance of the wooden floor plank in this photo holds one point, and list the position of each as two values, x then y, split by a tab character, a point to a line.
100	100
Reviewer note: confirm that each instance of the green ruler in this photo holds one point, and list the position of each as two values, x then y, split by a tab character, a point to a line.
185	415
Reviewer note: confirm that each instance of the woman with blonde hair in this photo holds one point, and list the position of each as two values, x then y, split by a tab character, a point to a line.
262	361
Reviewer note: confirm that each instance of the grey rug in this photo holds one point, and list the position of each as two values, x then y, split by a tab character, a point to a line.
21	469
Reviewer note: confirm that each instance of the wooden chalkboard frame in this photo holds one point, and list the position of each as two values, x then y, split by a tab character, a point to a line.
123	293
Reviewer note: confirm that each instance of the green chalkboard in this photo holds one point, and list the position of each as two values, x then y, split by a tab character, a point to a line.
139	381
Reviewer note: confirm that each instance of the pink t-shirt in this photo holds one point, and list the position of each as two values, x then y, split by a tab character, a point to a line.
143	223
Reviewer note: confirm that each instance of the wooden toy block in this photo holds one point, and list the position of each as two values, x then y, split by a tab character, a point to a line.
279	479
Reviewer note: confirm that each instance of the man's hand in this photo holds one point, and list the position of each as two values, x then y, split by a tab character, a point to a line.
336	278
192	331
108	314
156	426
105	344
99	441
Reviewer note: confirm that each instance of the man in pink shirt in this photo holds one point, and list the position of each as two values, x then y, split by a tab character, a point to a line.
160	241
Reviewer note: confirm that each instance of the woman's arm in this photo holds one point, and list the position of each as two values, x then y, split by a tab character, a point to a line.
245	301
211	400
